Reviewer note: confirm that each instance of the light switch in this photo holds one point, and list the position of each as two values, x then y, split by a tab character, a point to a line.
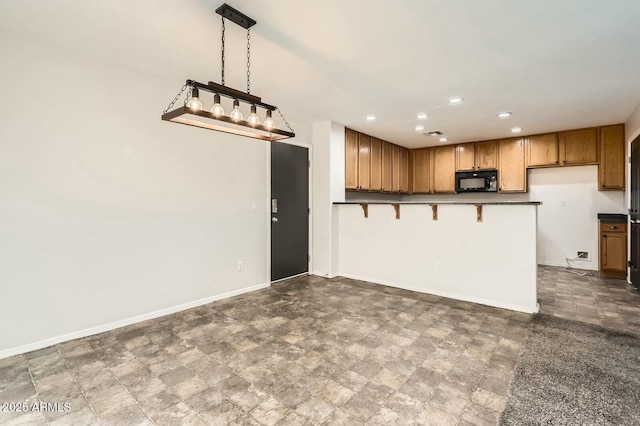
254	206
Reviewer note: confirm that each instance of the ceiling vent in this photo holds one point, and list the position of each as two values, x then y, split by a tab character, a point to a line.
433	133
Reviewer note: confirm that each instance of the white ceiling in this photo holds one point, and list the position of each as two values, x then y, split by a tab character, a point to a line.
556	64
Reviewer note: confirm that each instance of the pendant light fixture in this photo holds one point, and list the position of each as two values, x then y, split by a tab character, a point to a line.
193	113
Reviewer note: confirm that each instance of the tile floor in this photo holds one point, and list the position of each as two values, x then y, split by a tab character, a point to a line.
304	352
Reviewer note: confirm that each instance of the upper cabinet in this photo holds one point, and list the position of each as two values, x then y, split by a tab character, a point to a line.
375	170
351	159
579	146
444	169
387	166
512	173
375	165
477	156
364	161
611	170
466	156
422	170
378	166
487	155
404	170
542	150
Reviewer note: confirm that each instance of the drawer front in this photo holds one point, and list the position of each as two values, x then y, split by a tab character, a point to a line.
613	227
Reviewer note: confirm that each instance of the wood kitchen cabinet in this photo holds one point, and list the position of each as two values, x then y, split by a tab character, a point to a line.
395	169
613	249
422	170
466	156
387	166
477	156
444	169
611	169
486	155
404	170
542	150
364	161
512	174
579	147
351	159
375	171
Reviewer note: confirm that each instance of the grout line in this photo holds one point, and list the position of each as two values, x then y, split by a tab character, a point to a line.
76	381
36	388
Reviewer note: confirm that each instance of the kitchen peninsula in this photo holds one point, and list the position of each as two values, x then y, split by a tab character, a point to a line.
482	252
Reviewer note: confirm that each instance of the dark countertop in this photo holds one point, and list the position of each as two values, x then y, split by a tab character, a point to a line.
440	203
612	217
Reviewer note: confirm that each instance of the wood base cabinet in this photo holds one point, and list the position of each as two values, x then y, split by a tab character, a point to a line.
613	249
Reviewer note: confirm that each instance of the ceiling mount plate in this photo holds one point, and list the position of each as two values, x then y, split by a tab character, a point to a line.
233	15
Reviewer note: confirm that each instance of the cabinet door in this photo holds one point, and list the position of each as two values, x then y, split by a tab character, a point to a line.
364	161
376	165
487	155
351	159
421	159
613	249
543	150
611	168
387	166
466	156
395	180
444	169
579	146
404	170
512	174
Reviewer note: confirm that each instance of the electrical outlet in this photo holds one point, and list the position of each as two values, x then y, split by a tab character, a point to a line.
240	266
438	267
583	255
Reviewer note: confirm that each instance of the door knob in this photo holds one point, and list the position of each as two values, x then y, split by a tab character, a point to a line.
274	219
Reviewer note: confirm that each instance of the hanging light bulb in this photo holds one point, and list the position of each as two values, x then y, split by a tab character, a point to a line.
194	102
236	115
253	119
268	122
217	109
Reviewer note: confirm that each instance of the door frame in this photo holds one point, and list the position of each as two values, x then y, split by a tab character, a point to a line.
268	204
629	141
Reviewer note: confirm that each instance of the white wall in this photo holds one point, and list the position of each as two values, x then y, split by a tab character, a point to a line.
328	187
565	230
491	262
107	213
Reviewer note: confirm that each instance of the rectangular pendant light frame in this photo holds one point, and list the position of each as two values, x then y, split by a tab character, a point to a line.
206	120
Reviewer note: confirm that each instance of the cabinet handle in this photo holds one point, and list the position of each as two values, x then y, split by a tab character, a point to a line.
613	227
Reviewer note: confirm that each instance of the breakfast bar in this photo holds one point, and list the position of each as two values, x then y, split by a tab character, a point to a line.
481	252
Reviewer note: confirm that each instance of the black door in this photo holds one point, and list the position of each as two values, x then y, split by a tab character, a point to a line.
634	269
289	210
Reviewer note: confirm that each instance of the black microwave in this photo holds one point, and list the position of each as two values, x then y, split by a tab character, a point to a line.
480	181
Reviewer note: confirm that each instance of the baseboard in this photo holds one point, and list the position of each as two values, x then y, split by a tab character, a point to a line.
324	274
577	264
455	296
5	353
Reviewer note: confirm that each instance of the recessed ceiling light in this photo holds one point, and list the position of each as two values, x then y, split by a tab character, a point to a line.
443	139
371	117
455	100
505	114
516	130
434	133
419	127
422	116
